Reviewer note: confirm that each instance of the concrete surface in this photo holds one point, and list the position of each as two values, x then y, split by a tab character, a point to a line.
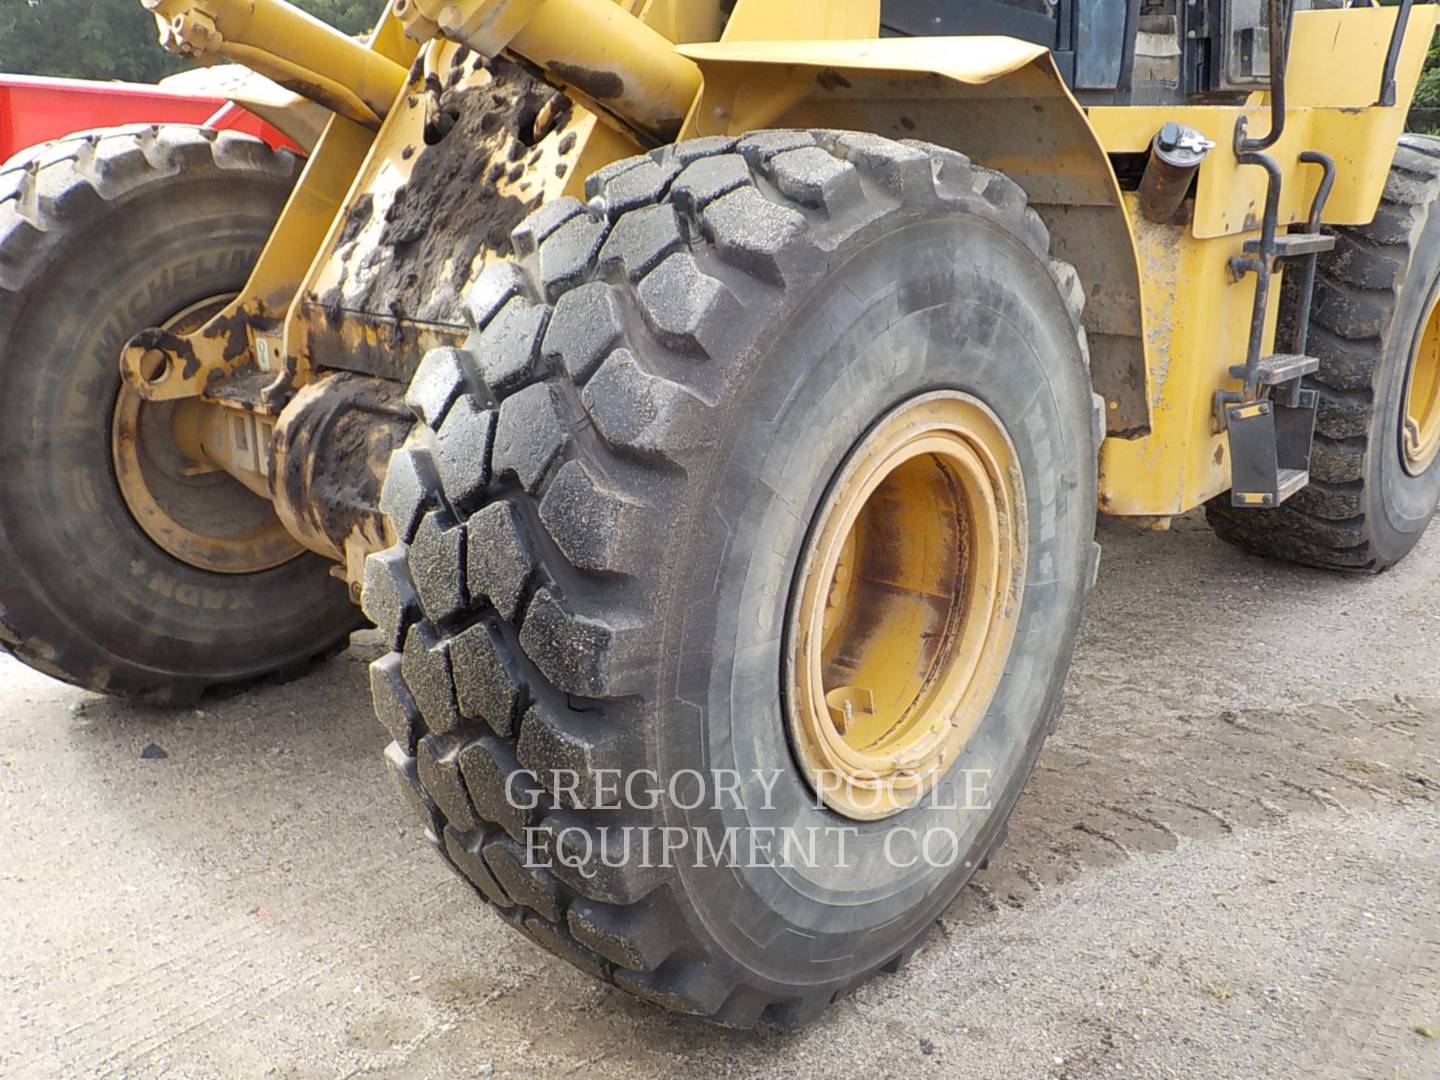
1228	864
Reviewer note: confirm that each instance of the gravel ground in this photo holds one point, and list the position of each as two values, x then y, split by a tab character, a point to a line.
1228	864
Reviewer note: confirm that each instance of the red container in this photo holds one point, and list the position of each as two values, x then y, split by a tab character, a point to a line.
34	109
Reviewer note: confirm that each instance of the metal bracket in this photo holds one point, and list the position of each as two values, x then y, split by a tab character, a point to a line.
1270	443
162	366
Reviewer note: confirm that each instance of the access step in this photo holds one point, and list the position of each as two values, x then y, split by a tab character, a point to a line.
1291	481
1295	245
1270	443
1281	368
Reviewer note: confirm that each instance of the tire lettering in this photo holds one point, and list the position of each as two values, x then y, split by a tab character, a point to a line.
1040	441
196	597
161	287
193	595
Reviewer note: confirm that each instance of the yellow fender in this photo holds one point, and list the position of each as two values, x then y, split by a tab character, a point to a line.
998	100
298	119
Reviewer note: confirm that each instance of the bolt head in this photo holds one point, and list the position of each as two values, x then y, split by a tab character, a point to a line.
451	18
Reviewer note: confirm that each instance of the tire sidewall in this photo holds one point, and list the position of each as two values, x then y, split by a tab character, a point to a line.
90	595
1402	505
952	302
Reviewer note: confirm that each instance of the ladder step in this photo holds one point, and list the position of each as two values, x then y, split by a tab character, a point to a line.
1288	482
1295	245
1270	444
1291	481
1286	367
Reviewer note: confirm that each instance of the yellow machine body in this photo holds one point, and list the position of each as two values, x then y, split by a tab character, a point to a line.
1196	317
1165	321
1164	318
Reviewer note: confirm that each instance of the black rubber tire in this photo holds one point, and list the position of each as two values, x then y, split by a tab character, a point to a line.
597	490
1362	510
101	236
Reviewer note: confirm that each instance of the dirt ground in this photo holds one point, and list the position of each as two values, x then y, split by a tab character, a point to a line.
1228	864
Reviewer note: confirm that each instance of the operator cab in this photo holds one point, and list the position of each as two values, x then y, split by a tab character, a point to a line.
1120	51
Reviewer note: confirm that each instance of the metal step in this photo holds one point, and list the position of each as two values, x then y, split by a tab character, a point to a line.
1280	368
1295	245
1270	444
1291	481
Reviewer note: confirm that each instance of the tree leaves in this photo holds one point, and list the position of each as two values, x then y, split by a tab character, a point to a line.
115	39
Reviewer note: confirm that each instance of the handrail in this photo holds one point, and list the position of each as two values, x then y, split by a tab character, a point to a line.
1392	58
1281	14
1317	213
1264	269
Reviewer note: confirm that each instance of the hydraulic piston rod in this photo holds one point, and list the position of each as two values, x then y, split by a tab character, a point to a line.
282	42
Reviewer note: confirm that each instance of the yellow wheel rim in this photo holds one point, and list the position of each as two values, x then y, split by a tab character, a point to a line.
194	513
1420	439
905	605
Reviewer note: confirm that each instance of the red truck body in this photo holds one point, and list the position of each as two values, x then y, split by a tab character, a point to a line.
34	110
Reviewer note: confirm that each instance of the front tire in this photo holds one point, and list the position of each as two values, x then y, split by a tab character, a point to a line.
103	235
604	514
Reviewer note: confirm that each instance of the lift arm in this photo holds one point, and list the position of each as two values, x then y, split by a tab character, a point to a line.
282	42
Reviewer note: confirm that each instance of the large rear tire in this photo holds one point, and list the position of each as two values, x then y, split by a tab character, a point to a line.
1375	327
605	515
101	236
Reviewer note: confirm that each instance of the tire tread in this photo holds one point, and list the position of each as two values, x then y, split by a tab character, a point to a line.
600	413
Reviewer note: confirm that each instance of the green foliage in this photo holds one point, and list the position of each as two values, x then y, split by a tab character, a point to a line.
1427	95
352	16
115	39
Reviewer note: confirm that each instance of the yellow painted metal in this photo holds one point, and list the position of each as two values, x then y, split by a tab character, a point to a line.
974	61
906	604
234	440
298	119
315	509
680	20
1163	319
328	317
618	65
1197	316
1332	83
765	20
165	456
248	333
1230	198
486	26
290	46
558	165
317	200
1421	435
1198	323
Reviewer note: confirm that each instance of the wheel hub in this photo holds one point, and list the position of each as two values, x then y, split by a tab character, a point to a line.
1420	436
905	605
194	512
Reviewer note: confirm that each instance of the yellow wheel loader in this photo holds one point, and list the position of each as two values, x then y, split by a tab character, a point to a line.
711	401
